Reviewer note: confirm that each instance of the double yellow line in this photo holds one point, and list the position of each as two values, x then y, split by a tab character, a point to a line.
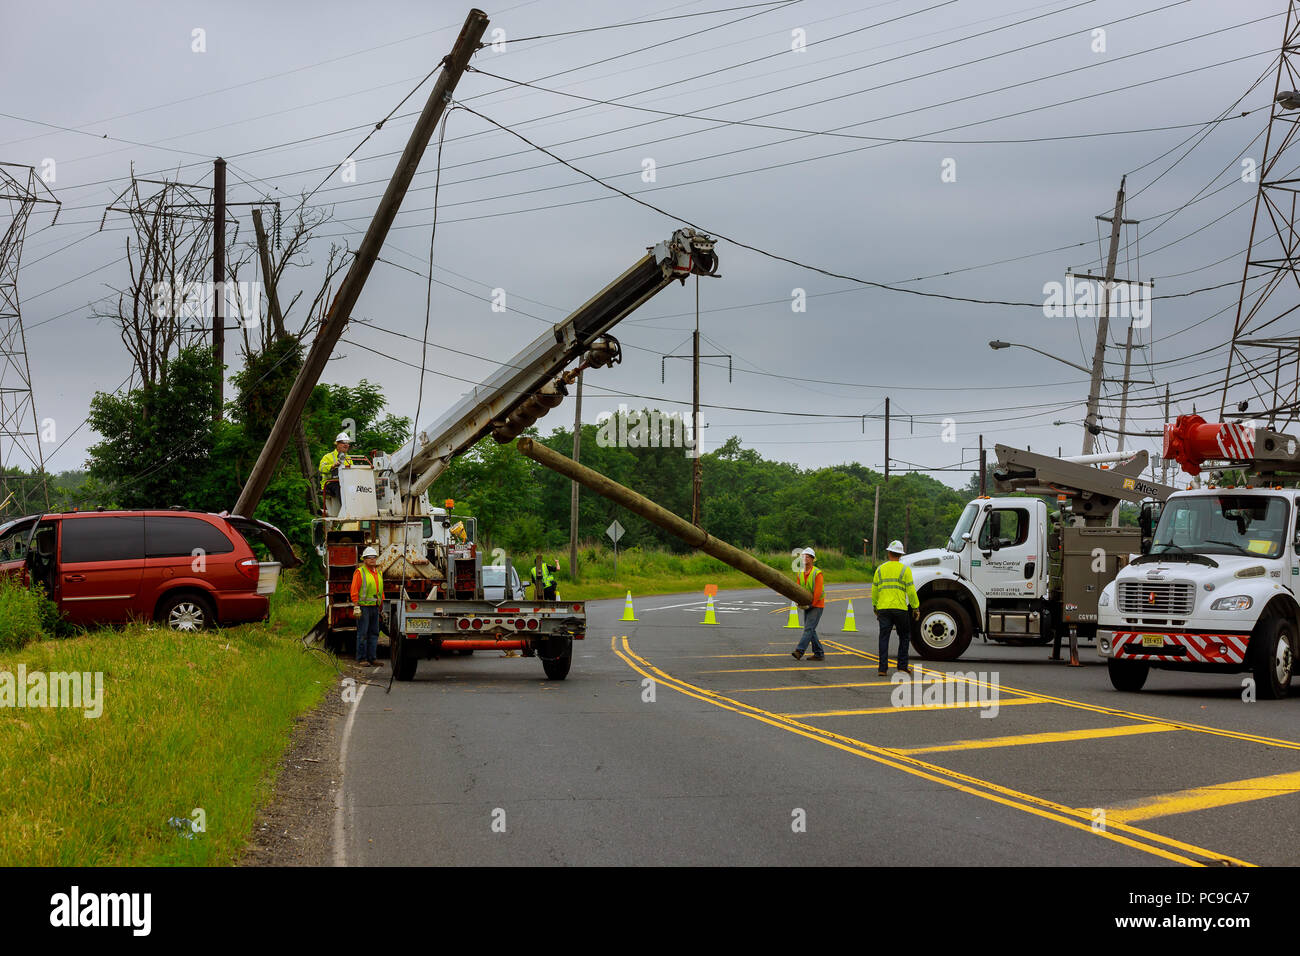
1143	840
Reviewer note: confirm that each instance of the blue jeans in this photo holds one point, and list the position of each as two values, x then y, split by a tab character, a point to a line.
368	632
900	621
811	616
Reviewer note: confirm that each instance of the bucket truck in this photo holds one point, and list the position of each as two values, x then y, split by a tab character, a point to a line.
1215	589
1015	573
433	596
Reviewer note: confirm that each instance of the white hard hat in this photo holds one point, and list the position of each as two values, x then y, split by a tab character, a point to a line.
370	553
810	552
896	547
343	436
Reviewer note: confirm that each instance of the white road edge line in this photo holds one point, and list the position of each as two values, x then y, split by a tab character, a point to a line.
340	851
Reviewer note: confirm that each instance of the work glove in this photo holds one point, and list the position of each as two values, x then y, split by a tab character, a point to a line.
916	614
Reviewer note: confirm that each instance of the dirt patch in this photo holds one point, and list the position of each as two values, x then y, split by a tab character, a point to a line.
296	827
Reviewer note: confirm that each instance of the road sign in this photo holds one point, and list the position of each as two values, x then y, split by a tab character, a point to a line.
615	531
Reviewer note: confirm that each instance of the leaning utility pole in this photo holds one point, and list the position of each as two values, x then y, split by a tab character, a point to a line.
573	500
886	439
279	334
332	326
219	280
1103	321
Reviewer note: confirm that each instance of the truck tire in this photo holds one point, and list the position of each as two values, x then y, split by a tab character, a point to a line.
403	660
1272	650
1128	676
944	631
557	658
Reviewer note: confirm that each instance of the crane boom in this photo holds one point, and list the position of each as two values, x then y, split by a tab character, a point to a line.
1095	492
534	381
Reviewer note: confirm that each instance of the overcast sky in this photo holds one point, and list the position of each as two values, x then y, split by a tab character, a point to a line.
1014	99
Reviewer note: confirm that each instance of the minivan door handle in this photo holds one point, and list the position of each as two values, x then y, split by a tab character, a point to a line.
74	577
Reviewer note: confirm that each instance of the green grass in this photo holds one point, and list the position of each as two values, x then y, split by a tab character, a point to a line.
189	721
661	572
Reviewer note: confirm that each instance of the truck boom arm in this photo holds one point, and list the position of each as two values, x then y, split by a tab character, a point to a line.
534	381
1095	492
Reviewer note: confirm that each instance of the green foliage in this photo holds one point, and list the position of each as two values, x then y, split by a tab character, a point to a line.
26	615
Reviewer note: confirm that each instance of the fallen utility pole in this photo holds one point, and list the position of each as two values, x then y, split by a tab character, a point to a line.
663	518
340	312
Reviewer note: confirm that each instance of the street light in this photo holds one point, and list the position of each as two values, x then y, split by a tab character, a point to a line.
999	344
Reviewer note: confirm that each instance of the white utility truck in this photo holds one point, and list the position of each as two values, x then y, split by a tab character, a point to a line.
1015	573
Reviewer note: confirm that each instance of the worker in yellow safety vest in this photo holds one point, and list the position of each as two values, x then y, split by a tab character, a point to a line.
368	597
544	578
333	459
892	594
811	579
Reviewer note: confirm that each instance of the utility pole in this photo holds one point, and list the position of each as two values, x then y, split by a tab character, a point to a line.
573	500
907	522
886	439
1103	321
218	279
340	312
695	402
875	524
984	468
279	334
1164	462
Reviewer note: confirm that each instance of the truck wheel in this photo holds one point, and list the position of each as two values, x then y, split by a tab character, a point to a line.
1273	657
403	660
1127	675
187	613
944	631
556	664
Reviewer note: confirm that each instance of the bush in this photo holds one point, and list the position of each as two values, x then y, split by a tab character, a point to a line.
26	615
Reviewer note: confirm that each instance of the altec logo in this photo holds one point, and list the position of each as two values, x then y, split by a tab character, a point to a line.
75	909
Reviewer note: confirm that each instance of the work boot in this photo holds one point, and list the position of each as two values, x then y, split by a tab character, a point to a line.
906	668
817	657
797	654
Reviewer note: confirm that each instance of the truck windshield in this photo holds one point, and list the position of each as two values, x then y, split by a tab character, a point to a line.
964	523
1253	525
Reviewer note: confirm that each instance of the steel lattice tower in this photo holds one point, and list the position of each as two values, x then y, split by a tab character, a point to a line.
1267	355
20	443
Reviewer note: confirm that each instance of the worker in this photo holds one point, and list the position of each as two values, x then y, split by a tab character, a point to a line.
333	459
367	597
544	578
811	578
892	594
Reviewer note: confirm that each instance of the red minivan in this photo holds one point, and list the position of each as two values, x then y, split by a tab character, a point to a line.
186	569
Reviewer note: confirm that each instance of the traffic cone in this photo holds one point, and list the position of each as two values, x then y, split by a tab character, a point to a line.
709	616
850	625
793	619
628	614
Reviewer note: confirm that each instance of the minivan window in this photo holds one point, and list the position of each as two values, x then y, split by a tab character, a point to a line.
103	538
175	536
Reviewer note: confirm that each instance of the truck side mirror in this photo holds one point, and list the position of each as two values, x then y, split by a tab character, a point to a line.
1147	515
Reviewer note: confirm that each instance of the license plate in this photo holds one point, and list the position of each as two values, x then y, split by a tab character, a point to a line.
1153	640
419	624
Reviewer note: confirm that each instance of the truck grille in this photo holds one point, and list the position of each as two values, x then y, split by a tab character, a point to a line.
1156	598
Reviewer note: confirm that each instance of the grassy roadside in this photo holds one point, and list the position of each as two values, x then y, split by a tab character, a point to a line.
188	722
645	573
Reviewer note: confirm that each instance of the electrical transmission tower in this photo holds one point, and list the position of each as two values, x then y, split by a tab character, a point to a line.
20	441
1267	356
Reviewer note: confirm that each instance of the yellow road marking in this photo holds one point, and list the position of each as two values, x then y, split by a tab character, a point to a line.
1098	709
1206	798
1038	806
1020	740
757	690
711	657
795	667
916	707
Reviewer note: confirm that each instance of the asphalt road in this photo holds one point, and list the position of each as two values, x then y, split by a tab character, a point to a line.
673	742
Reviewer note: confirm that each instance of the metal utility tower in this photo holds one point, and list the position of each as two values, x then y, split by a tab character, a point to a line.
20	442
1272	253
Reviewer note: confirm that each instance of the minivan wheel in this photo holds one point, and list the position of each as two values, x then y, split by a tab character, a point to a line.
187	613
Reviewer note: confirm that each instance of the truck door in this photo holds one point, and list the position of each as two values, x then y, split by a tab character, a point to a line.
1005	562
